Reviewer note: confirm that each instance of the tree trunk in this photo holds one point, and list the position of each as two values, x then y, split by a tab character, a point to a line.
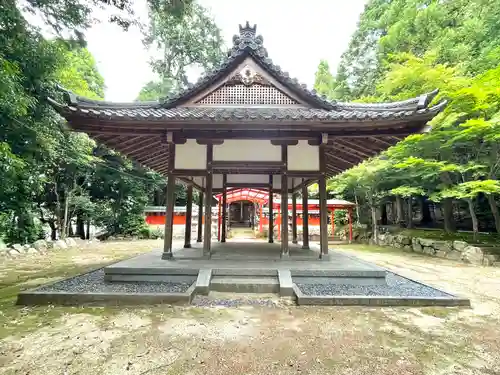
58	209
87	235
383	216
80	226
447	204
399	211
64	226
374	223
449	224
357	208
409	214
473	216
53	230
494	211
426	212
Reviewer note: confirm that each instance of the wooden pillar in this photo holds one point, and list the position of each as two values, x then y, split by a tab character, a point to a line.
169	211
284	203
260	218
224	208
270	235
323	213
219	214
305	218
200	217
332	219
294	218
350	225
207	233
278	223
189	216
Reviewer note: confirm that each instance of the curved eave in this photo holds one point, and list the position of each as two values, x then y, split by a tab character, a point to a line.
225	115
413	104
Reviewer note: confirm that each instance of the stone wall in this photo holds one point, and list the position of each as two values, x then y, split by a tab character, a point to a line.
455	250
40	247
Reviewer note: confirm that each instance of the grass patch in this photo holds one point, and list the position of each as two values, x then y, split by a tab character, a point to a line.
31	272
367	248
438	312
441	235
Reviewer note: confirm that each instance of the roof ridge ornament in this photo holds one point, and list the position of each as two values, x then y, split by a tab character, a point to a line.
248	39
248	31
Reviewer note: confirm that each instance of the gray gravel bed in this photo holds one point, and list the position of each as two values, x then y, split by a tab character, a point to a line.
209	302
93	282
397	286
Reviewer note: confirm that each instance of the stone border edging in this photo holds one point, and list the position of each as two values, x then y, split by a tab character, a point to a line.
285	283
340	300
407	278
202	284
64	298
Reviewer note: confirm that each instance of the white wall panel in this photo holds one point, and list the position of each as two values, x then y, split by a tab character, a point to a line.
190	155
246	150
217	181
303	157
248	178
276	181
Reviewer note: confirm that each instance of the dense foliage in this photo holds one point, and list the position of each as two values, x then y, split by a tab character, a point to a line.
50	175
404	48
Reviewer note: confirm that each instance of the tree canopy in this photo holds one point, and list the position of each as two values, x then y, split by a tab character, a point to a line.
402	49
52	176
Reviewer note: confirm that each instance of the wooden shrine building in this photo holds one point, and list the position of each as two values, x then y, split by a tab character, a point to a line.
247	124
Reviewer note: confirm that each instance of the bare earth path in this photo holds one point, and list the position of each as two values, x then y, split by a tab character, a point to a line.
250	339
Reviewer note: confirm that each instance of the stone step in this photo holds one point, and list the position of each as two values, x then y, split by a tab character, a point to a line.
237	284
150	278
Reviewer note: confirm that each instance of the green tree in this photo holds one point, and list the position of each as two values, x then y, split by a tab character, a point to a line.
191	40
324	82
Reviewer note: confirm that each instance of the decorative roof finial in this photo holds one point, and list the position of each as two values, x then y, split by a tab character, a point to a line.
248	40
248	31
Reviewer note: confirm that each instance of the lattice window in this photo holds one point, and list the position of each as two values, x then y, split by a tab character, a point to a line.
247	95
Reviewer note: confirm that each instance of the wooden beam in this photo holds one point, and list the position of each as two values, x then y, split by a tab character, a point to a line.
207	235
246	164
323	222
255	185
147	143
200	217
303	174
169	213
284	203
360	144
189	213
346	154
121	140
294	218
305	217
342	160
190	172
224	208
270	212
384	142
344	145
152	156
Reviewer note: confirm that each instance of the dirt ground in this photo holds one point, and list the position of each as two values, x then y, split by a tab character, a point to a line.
284	339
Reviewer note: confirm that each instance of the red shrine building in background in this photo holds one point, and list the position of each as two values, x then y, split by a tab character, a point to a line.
248	207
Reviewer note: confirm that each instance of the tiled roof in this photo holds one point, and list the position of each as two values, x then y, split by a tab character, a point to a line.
248	43
221	114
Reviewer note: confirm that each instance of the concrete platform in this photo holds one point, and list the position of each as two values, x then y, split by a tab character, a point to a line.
244	267
243	258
